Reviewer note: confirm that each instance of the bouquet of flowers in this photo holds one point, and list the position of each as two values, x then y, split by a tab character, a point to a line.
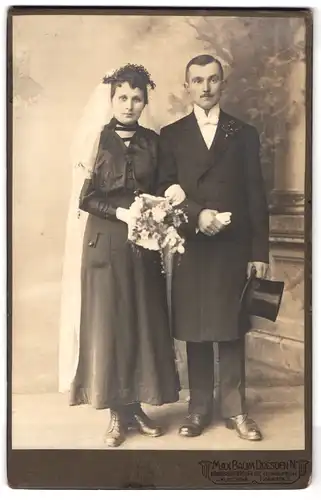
154	224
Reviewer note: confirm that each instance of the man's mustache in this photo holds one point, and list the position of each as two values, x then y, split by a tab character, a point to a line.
207	95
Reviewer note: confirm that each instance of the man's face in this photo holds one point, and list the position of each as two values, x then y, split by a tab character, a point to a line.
204	85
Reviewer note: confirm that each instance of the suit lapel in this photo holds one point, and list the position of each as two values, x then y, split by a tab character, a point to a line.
219	143
194	143
201	157
226	129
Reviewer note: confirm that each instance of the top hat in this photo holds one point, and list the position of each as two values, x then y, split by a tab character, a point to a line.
262	297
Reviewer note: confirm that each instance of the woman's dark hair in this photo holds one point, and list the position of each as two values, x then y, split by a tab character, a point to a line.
135	75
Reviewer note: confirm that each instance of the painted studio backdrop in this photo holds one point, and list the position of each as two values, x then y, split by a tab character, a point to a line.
57	61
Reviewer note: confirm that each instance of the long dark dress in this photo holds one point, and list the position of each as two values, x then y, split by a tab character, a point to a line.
126	351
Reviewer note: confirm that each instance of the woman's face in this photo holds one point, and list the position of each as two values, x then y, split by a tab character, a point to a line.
128	104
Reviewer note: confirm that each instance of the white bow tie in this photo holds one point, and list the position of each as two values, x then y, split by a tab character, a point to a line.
208	121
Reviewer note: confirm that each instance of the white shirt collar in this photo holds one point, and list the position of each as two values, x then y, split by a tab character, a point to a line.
212	116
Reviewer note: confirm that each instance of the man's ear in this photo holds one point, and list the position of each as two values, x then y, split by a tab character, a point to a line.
185	85
224	85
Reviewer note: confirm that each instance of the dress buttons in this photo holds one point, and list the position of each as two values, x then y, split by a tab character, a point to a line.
93	242
130	172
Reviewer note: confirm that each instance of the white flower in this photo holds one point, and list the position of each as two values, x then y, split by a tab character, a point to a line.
147	214
150	244
158	214
144	234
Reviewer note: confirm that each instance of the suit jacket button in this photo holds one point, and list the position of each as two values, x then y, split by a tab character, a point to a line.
91	244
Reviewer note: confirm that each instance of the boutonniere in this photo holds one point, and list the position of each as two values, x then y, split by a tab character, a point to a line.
231	128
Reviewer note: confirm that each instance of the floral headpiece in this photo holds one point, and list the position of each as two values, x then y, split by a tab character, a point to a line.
123	72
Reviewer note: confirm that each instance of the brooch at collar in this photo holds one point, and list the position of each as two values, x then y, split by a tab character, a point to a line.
231	128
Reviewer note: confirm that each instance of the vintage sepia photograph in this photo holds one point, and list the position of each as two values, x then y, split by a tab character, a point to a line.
159	197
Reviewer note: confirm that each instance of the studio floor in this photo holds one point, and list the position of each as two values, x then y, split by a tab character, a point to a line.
45	421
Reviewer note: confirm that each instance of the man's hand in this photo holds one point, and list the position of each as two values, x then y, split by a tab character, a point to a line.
175	194
260	267
212	222
207	222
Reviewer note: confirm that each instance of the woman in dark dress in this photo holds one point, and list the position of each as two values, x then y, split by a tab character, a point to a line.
126	353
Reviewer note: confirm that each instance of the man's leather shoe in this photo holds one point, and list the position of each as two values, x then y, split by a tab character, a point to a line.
194	425
139	420
116	432
245	427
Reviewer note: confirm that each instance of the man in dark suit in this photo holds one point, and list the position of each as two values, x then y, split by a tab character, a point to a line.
209	163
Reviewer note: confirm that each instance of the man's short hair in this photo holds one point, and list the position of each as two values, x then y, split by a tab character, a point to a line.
203	60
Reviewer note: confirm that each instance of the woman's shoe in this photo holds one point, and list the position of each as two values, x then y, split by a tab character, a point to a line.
116	432
140	421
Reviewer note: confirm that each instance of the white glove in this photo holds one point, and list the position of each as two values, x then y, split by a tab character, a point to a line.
224	217
122	214
175	194
211	222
